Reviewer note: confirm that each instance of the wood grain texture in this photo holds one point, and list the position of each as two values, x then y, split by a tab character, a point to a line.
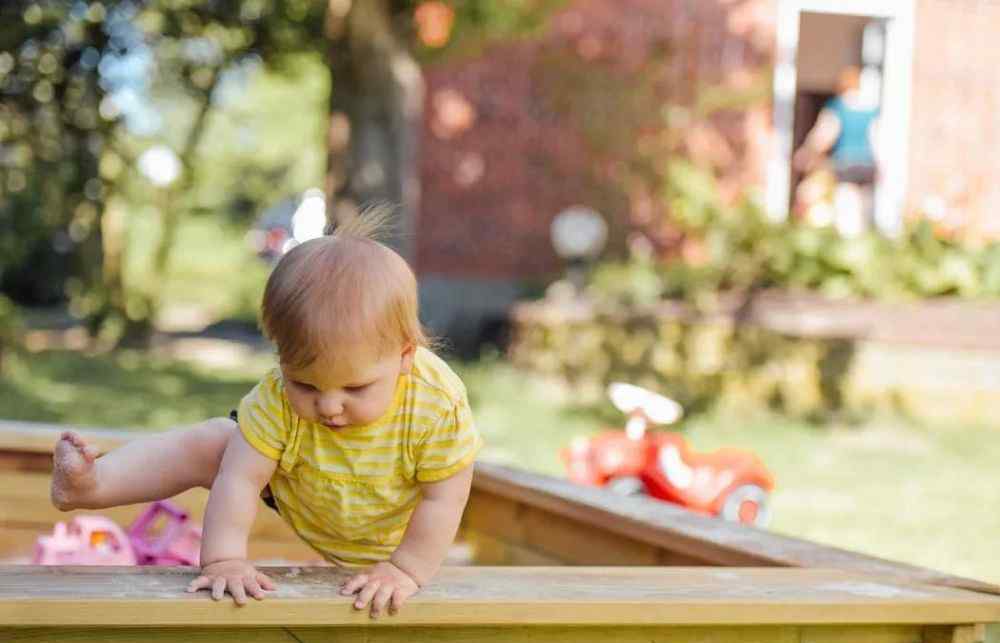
168	635
39	437
688	534
869	634
24	500
155	597
484	634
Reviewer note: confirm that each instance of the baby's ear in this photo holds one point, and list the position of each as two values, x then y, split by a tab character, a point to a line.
409	351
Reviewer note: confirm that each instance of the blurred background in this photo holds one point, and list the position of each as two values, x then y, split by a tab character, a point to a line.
780	213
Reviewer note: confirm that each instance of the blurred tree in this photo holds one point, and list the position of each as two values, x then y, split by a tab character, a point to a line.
69	72
85	88
195	43
51	140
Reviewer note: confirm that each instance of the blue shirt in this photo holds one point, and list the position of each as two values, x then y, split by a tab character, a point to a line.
853	146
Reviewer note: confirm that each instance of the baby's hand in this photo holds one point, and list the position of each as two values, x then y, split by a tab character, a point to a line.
238	577
382	585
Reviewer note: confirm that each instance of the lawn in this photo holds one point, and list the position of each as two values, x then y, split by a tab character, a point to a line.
916	494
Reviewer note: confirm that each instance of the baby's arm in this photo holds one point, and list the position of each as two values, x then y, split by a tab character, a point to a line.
430	533
232	507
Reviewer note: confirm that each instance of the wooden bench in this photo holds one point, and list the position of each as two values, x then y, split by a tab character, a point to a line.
500	604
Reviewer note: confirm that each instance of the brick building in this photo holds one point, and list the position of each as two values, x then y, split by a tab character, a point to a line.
499	161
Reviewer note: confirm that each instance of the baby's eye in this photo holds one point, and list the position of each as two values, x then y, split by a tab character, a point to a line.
308	387
356	389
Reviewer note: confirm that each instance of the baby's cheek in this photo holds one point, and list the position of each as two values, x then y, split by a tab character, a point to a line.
301	405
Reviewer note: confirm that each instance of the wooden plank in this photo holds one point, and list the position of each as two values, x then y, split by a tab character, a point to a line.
490	551
18	543
514	634
24	498
691	535
622	634
307	597
169	635
40	437
973	633
573	542
865	634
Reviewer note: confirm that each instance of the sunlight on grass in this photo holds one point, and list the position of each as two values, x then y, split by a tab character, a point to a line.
127	389
211	269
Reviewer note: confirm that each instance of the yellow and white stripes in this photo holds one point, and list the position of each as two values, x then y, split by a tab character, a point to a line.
350	492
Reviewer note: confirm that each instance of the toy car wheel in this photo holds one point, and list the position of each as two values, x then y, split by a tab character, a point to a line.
748	504
627	486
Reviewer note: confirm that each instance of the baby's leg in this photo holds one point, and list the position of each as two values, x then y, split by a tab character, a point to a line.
149	468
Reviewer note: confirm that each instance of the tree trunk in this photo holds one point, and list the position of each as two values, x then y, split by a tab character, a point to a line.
376	102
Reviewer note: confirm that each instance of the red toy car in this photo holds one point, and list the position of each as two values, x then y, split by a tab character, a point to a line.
729	483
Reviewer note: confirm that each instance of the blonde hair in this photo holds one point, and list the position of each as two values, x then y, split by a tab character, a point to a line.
848	79
342	293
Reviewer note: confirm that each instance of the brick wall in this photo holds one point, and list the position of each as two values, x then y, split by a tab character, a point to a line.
497	163
955	128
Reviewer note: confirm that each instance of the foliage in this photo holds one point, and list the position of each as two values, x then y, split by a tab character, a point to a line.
9	324
728	248
699	361
638	98
51	134
85	88
477	24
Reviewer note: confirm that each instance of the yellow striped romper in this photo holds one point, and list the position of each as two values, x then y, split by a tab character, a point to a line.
349	492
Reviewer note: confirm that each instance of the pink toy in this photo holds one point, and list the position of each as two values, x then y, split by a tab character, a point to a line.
88	540
177	543
96	540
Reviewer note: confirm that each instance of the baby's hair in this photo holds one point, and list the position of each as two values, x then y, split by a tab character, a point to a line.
376	222
342	294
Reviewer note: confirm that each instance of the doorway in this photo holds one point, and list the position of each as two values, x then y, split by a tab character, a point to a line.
816	40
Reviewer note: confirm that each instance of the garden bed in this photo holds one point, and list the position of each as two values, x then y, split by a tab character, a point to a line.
801	353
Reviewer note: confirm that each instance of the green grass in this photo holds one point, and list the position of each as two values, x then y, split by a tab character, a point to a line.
127	389
211	269
923	495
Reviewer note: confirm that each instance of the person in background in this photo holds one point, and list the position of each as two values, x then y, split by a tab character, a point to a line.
844	136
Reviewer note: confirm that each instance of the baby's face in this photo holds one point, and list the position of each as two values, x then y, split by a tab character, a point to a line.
335	395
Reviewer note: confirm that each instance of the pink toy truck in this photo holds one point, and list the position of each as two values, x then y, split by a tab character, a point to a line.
96	540
87	540
177	543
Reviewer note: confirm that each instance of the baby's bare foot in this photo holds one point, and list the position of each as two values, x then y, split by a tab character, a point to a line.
73	474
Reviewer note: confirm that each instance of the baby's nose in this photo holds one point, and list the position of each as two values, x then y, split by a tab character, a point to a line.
330	405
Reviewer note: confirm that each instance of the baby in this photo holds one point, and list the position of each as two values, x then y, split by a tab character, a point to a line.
362	439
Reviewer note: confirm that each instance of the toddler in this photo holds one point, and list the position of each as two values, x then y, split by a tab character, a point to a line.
362	439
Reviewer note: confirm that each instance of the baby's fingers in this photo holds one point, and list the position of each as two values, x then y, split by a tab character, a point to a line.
202	582
380	600
398	598
237	591
365	597
353	584
253	588
265	581
218	588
